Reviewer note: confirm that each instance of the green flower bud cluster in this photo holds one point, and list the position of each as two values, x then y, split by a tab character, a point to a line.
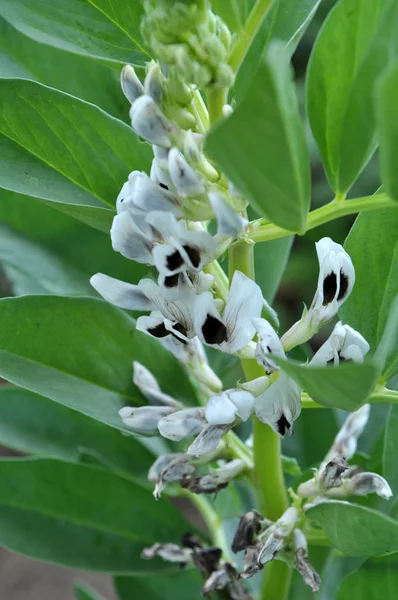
187	35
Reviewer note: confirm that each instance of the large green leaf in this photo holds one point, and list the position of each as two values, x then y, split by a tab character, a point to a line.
36	425
354	529
390	454
357	41
387	114
373	246
78	352
176	586
347	386
377	578
20	56
262	148
64	150
82	516
34	270
287	21
270	259
104	30
82	592
56	238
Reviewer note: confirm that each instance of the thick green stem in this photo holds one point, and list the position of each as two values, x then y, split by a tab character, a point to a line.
215	101
324	214
246	36
213	523
268	472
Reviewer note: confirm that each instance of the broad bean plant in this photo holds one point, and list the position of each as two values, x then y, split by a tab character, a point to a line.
149	383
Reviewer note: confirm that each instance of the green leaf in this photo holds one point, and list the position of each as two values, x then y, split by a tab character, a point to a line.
287	21
78	352
346	386
20	56
57	238
270	260
387	115
377	578
34	270
354	529
82	592
104	30
358	40
262	148
390	454
82	517
36	425
60	149
373	246
176	586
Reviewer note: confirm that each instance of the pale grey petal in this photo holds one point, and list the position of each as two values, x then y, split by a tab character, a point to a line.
208	440
131	85
120	293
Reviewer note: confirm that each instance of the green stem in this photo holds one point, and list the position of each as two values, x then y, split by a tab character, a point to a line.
333	210
216	98
213	522
246	36
268	471
220	278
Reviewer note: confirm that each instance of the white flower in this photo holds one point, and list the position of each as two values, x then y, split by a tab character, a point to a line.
344	343
131	85
208	439
150	123
268	343
280	405
229	223
335	282
185	179
141	192
345	442
234	329
182	424
128	239
184	249
153	83
362	484
119	293
176	308
144	419
223	408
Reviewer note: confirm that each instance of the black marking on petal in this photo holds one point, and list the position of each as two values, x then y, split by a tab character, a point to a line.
194	255
343	285
174	261
171	281
269	349
206	560
121	200
180	328
164	186
329	288
282	425
214	331
159	331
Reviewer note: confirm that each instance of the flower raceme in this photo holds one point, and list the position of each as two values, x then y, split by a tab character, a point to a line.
162	220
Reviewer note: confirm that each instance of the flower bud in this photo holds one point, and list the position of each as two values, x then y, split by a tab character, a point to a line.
153	84
229	223
255	386
223	408
208	439
131	85
268	343
182	424
149	387
144	419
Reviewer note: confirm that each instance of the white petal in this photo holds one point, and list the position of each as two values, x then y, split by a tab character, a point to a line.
208	324
220	410
131	85
182	424
119	293
183	176
268	343
150	196
229	223
129	240
149	387
244	402
280	405
144	419
354	339
154	82
153	326
244	303
150	123
168	259
208	440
